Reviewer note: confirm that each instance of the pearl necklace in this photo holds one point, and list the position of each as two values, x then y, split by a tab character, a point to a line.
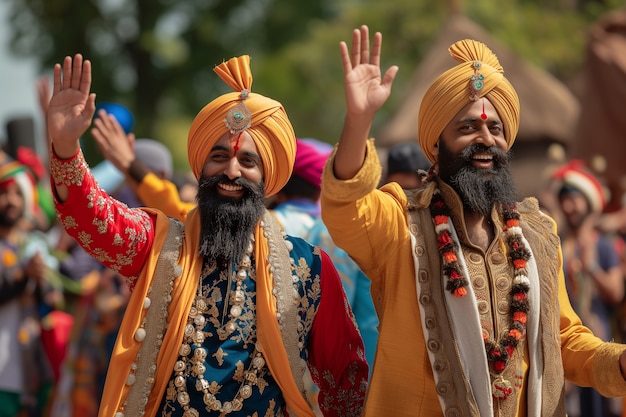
193	363
498	352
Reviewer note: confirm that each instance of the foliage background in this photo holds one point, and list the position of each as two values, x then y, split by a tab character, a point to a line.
156	56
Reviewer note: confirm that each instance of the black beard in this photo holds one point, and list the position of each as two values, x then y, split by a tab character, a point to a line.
479	189
7	220
226	224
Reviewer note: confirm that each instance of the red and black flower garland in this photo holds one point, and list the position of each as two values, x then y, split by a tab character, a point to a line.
498	352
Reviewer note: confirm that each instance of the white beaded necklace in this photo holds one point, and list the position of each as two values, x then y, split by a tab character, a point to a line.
193	363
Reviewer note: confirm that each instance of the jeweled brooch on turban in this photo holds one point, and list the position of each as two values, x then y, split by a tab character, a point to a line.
239	117
476	82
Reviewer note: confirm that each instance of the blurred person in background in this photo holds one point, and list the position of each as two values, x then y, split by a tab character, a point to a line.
26	374
406	165
593	277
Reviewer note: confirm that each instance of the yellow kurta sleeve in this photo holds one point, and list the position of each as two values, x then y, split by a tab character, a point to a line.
163	195
588	360
362	220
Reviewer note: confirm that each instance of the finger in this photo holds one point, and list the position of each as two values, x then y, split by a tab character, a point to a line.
389	76
356	47
115	125
376	48
85	79
56	82
77	72
98	137
365	45
345	57
90	106
131	140
67	72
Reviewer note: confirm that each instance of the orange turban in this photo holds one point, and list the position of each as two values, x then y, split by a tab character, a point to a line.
451	91
269	127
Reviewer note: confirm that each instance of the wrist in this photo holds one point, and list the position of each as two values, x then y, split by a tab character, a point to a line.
64	151
137	170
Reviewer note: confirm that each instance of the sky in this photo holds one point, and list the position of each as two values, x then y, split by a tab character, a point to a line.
18	94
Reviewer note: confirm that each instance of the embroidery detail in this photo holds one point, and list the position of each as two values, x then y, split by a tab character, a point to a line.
68	172
141	373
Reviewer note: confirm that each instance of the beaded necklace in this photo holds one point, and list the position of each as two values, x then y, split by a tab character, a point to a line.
498	352
191	361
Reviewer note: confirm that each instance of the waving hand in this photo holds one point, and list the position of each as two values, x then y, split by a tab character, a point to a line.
366	91
71	106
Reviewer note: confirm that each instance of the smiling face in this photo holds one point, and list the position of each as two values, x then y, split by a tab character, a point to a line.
234	157
473	158
477	123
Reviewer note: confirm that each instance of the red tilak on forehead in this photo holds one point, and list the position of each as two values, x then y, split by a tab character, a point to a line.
483	114
236	145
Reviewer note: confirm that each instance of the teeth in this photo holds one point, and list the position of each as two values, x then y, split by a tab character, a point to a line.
483	158
229	187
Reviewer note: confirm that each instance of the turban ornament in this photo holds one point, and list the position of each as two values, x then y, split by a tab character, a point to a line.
238	118
241	110
476	83
478	75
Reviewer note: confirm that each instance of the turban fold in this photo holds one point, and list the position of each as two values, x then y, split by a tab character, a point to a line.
269	127
450	92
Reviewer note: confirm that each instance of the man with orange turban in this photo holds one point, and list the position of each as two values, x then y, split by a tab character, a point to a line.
226	310
467	282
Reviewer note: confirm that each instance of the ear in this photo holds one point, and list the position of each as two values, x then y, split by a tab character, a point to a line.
435	149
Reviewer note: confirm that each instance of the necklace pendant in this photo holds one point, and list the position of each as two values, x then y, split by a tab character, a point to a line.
501	389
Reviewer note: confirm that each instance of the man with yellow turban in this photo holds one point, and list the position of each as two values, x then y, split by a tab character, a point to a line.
468	282
226	310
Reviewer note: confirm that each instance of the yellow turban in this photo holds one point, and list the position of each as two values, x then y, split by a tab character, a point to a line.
269	127
451	91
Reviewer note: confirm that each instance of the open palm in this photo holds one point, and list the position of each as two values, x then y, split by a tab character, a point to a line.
366	91
71	106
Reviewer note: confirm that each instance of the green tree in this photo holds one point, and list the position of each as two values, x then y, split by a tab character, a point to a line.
156	57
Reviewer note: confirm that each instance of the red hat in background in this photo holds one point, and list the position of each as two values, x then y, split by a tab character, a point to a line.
311	156
576	177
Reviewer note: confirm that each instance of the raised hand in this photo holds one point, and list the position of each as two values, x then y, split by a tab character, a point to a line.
115	145
365	90
71	106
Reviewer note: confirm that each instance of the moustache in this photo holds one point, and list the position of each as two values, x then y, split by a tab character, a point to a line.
500	157
211	183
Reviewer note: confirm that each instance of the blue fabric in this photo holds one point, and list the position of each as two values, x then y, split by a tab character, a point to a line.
238	347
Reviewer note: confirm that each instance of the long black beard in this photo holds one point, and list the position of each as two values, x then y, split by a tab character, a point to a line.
479	189
226	224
